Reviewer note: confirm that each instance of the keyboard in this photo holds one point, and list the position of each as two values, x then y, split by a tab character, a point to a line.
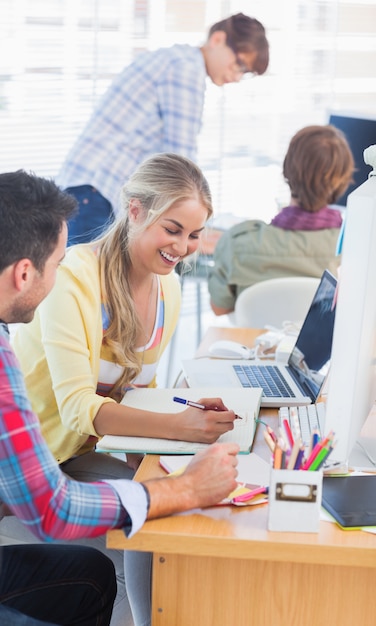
268	377
304	419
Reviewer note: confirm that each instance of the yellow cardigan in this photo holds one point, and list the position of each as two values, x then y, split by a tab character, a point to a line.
59	352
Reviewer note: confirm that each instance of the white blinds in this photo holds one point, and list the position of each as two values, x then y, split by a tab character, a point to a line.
58	56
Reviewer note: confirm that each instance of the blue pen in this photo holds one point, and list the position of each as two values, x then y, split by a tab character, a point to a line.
197	405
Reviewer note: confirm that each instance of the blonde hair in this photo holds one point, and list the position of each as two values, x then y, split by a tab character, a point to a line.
158	183
318	166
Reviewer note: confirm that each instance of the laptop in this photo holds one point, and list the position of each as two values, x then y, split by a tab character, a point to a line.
300	381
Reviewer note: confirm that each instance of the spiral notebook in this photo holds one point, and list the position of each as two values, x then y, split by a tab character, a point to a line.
245	402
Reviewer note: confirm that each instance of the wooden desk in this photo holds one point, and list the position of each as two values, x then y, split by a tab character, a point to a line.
220	566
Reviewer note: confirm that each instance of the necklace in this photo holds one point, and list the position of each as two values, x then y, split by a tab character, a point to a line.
145	327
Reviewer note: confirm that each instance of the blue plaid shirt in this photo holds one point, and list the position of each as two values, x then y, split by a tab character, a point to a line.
154	105
35	489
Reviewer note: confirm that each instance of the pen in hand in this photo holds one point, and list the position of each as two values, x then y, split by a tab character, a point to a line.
197	405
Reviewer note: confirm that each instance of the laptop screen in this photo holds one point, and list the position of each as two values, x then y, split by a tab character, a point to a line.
310	357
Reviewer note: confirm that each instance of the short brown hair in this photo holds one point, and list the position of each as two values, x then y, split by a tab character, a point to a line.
245	34
318	166
32	213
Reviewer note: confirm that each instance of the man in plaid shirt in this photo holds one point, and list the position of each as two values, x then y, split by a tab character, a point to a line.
64	584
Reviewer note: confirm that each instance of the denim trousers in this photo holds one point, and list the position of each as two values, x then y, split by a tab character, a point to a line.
55	584
94	215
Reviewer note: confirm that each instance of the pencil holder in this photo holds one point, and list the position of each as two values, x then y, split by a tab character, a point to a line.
294	500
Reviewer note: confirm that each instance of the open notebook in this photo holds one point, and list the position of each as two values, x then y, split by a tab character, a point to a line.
245	402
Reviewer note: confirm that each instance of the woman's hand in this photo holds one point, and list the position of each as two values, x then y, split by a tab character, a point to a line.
204	425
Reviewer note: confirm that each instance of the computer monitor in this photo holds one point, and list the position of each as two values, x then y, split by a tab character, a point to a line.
352	378
360	133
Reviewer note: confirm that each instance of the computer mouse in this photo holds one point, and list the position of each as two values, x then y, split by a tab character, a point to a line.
230	350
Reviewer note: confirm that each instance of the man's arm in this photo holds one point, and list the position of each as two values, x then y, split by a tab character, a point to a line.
181	99
35	489
209	477
32	484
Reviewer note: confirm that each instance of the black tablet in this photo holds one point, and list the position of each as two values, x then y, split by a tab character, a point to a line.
351	500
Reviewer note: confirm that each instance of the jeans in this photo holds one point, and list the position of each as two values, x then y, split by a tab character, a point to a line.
94	215
72	585
12	617
138	575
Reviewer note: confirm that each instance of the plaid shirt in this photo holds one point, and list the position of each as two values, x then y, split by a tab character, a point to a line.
32	484
154	105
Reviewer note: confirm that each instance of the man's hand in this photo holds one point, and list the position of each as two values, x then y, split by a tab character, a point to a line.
209	477
212	473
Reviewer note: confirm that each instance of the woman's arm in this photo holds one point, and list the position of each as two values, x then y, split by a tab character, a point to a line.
71	337
189	425
70	319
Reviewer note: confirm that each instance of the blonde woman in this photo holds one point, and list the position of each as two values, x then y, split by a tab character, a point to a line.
111	314
108	319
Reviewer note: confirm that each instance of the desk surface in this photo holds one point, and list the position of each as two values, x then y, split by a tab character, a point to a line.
241	533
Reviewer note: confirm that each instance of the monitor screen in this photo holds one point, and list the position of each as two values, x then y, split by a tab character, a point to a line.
310	356
360	133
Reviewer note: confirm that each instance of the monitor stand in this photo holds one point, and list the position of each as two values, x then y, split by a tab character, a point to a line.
363	454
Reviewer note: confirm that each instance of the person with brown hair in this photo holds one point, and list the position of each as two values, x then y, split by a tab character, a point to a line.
104	327
154	105
66	584
301	240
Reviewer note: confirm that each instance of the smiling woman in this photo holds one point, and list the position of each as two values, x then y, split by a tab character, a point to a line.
112	313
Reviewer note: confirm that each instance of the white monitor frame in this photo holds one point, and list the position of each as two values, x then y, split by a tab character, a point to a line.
352	379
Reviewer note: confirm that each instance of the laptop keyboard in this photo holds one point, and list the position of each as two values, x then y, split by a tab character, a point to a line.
304	419
268	377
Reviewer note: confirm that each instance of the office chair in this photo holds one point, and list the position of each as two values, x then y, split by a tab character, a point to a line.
272	302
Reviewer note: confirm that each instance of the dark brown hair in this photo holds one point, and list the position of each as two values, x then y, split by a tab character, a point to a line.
245	34
32	213
318	166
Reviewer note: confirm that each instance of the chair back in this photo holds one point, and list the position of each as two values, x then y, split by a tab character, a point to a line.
272	302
